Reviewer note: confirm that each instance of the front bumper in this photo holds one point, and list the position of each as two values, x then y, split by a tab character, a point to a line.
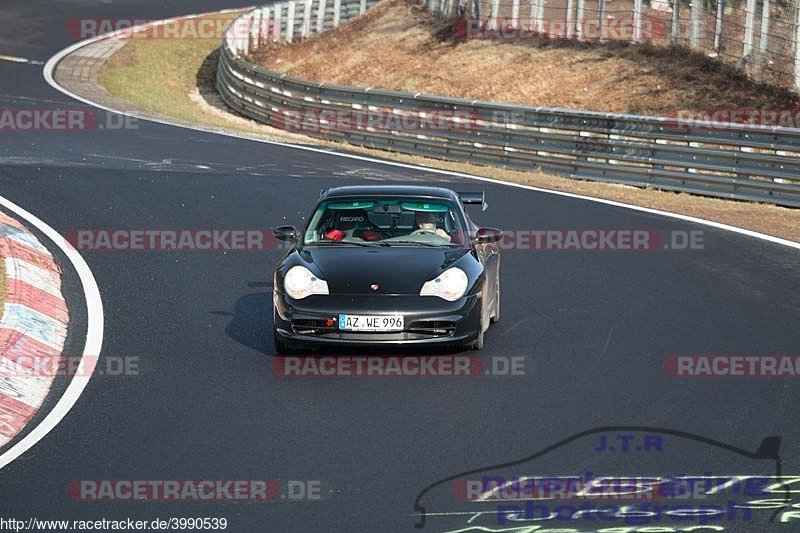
427	319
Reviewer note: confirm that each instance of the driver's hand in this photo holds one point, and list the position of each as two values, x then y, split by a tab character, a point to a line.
442	233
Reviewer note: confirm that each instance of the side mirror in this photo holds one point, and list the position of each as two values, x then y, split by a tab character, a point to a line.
285	233
485	235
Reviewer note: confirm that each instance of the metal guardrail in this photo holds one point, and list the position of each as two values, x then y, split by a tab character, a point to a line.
735	161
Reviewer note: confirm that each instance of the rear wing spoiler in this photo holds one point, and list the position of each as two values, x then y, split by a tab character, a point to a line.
478	198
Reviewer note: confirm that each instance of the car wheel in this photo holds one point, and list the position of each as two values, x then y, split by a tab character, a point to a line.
477	344
280	346
496	311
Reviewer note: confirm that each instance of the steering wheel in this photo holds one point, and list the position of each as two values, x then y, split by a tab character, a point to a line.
423	231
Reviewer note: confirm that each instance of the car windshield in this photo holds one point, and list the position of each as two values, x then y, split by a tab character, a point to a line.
386	221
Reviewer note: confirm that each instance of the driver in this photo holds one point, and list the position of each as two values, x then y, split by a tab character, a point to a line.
427	222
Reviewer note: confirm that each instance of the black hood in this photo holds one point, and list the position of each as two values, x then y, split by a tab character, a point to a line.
396	269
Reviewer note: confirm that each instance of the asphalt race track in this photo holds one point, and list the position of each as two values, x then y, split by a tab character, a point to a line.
594	330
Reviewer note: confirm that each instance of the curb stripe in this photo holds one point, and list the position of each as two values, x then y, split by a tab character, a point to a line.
92	345
9	421
22	293
13	414
8	221
28	389
46	280
34	324
11	405
14	248
26	351
33	327
23	236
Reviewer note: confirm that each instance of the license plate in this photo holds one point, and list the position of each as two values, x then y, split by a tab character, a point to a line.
371	322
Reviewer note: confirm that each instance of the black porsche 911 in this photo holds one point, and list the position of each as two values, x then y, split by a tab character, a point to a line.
387	265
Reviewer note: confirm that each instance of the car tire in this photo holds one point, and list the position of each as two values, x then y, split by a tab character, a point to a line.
496	311
280	346
477	344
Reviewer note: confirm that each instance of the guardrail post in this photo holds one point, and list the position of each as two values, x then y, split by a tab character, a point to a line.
255	30
322	6
337	13
749	28
515	14
763	42
694	33
797	46
545	28
676	21
266	26
493	14
276	24
306	28
244	35
580	24
637	21
569	28
233	39
362	7
236	34
601	15
535	20
718	38
290	21
228	39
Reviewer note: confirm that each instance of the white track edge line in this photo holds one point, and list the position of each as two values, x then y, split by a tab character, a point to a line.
49	69
92	346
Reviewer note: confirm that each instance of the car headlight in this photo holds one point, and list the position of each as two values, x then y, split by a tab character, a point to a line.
450	285
300	282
